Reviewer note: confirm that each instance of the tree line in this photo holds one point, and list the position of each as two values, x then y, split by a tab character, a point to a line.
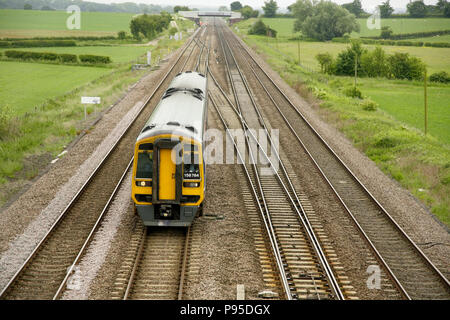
84	6
149	26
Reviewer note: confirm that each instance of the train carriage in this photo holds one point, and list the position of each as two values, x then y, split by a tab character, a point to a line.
168	185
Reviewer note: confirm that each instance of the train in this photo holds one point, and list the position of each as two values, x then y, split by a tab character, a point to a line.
168	178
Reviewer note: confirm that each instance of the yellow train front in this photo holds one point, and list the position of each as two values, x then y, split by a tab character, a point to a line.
168	185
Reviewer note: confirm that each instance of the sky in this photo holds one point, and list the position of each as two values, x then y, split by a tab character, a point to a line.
368	5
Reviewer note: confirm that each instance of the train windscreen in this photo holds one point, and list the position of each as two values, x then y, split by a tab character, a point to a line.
145	165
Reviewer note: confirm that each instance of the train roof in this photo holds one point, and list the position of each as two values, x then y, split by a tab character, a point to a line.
189	80
182	109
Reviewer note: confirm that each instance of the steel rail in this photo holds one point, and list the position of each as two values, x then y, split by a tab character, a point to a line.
184	264
276	251
267	224
136	264
366	238
91	234
296	203
364	188
303	218
91	177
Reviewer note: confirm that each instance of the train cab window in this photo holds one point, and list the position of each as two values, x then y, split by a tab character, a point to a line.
145	165
191	166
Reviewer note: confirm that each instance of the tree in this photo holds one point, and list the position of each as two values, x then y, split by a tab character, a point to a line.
235	6
447	10
441	4
248	12
27	6
223	8
354	7
323	20
417	9
149	25
301	10
385	9
176	9
270	8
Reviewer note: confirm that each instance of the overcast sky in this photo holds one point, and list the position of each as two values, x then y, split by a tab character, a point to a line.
367	4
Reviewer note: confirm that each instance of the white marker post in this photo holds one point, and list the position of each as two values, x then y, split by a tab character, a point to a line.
89	100
149	57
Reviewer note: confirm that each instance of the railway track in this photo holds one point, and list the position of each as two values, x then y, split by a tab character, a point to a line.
156	263
159	268
45	272
299	255
414	274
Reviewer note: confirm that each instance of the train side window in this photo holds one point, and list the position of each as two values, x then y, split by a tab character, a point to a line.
144	165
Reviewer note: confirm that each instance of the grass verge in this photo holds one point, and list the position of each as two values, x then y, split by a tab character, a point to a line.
419	163
31	136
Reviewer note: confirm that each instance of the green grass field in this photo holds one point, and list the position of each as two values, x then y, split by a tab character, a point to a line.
405	26
118	54
436	59
29	23
392	136
26	85
285	26
40	109
405	101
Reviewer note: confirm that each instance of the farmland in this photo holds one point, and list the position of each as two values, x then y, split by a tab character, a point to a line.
392	136
40	108
285	26
42	81
34	23
118	54
436	59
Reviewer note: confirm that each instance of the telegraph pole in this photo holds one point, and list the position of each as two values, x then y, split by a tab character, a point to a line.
426	102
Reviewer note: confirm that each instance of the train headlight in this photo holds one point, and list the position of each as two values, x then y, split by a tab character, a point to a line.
144	183
191	184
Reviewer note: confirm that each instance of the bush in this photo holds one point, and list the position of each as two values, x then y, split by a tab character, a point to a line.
374	63
326	62
41	43
403	66
413	35
261	29
89	58
386	32
68	58
172	31
28	55
345	62
5	120
442	77
369	105
353	92
121	35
